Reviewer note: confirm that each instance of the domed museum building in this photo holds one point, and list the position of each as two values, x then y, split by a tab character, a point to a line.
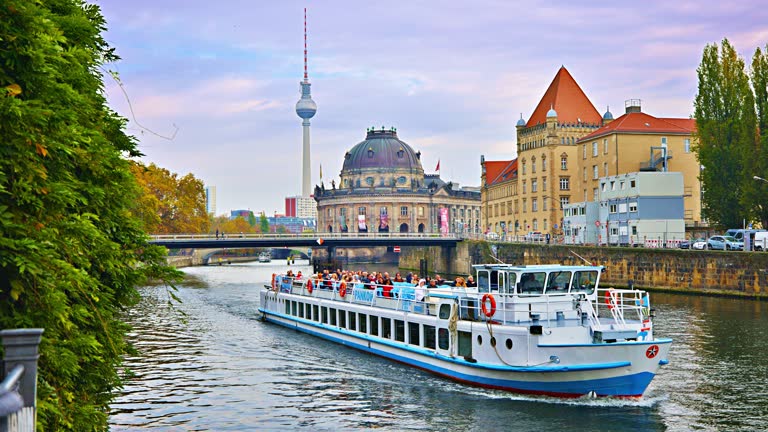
383	188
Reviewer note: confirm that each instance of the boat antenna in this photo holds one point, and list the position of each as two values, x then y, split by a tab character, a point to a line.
583	259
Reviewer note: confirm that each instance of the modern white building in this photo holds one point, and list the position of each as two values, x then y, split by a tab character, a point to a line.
642	208
581	223
301	207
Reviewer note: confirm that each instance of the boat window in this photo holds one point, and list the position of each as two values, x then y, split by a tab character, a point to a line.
343	319
509	283
558	282
532	283
584	281
374	321
465	344
483	281
442	338
293	308
287	308
308	311
445	311
315	314
413	334
325	315
301	310
400	330
386	328
352	321
361	322
332	313
429	336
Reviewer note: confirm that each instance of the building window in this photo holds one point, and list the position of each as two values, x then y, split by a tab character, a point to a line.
330	212
523	167
564	183
544	203
605	145
584	151
535	224
534	204
613	185
361	211
403	211
632	184
564	163
383	211
342	212
633	207
594	194
543	163
602	185
594	149
613	208
545	224
605	169
594	172
584	174
544	184
524	205
687	144
534	185
564	201
533	165
524	187
421	211
663	141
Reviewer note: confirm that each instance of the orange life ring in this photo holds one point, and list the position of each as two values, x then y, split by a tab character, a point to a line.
309	286
273	281
343	289
609	300
488	312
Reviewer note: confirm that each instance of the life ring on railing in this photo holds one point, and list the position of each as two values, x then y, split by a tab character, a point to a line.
609	299
309	286
488	311
273	281
343	289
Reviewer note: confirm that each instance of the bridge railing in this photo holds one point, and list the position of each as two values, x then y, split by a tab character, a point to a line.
307	235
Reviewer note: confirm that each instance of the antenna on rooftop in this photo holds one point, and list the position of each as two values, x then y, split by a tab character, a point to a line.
305	45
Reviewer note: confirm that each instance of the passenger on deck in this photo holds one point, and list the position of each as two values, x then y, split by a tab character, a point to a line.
439	280
432	283
398	278
471	281
528	283
409	277
460	283
298	275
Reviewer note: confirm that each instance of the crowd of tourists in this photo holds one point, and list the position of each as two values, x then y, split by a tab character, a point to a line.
372	279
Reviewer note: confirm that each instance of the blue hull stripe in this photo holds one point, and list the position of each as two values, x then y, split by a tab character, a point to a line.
625	385
660	341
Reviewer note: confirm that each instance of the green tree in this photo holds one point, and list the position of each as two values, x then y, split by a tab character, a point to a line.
756	198
251	219
725	119
264	223
72	250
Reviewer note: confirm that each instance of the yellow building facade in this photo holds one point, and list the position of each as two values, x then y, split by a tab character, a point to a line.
566	146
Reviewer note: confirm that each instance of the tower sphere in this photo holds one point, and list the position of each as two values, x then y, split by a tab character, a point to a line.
306	108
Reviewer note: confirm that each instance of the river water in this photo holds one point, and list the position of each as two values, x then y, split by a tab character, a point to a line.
209	364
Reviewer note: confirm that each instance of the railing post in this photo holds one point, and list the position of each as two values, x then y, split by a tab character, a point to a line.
21	348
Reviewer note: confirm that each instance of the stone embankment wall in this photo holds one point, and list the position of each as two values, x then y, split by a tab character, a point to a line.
690	271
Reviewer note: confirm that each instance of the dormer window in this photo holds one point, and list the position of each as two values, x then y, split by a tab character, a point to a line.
370	152
401	153
347	155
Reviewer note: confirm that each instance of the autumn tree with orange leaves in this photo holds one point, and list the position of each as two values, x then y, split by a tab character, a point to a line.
170	204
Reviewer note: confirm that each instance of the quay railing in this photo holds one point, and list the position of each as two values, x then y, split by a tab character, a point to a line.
305	235
18	390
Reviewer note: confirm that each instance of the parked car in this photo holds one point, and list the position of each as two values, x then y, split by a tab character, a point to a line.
492	236
724	243
761	241
536	236
699	244
688	244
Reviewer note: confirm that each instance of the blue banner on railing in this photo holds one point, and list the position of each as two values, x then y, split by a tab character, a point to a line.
362	295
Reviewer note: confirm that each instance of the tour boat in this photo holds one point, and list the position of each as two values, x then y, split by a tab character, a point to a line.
541	329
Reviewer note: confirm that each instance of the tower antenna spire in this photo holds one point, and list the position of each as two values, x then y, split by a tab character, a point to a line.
305	45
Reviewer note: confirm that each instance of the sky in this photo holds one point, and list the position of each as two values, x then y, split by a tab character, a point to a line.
210	88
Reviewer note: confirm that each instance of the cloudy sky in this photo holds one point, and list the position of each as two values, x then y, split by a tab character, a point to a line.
222	78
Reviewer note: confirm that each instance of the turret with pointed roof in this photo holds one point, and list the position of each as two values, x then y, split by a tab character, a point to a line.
566	98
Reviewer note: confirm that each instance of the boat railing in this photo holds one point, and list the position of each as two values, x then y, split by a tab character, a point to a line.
514	308
622	304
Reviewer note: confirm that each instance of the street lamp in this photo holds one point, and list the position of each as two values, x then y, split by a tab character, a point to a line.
760	178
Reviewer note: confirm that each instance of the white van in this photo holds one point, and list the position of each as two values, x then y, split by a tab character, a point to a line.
761	241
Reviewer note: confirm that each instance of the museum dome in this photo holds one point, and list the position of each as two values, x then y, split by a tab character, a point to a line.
382	151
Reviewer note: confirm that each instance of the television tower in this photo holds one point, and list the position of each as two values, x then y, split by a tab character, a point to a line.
306	109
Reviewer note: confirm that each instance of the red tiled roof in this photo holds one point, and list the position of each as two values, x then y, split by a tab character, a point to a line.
500	171
567	98
641	122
